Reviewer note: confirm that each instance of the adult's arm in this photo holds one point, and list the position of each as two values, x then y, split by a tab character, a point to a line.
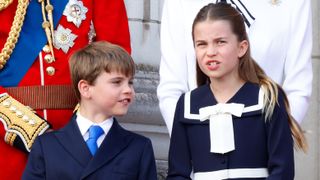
21	124
173	66
298	67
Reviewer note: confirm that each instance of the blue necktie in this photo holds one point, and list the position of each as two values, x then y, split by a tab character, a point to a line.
94	133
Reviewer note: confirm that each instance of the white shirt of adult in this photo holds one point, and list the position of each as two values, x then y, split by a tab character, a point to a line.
280	39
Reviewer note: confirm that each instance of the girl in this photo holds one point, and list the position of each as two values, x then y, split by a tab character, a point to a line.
280	31
237	123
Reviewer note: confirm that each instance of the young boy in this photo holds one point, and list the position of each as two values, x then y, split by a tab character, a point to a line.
93	145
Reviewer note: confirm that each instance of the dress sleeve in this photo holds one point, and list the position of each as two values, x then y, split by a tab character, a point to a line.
173	65
111	22
298	65
280	144
179	154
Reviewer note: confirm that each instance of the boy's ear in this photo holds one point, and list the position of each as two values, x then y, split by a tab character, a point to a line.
243	47
84	87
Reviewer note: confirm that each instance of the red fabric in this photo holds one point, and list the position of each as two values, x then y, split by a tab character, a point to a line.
2	90
111	24
103	29
7	16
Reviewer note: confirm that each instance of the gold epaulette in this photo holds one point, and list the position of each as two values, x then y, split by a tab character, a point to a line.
20	122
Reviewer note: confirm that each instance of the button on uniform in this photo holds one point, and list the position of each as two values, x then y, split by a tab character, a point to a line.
48	58
50	70
46	49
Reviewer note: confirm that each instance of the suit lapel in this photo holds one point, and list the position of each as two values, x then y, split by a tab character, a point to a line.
116	140
72	140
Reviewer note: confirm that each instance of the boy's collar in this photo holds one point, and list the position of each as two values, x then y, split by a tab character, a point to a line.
84	123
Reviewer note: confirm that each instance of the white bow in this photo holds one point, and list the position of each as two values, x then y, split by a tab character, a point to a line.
221	125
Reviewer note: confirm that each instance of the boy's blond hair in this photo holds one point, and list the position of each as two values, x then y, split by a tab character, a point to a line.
89	62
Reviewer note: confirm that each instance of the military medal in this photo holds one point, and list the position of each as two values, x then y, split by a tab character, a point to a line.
75	12
63	39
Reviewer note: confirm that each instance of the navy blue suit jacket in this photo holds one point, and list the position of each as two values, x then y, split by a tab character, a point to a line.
63	154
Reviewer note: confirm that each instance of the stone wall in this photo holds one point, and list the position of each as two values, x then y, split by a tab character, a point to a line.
307	166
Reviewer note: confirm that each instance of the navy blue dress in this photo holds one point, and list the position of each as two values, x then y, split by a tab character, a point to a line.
263	148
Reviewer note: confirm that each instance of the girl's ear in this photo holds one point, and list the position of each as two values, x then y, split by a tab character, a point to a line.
84	88
243	47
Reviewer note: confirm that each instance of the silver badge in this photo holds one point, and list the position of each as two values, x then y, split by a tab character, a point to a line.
75	12
92	33
63	39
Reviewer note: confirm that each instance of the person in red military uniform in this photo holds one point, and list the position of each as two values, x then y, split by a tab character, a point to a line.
36	38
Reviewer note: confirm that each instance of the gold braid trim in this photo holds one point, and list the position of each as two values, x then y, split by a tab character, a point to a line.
47	24
10	137
14	32
4	4
19	120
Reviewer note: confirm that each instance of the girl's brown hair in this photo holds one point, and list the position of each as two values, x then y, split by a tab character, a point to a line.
248	69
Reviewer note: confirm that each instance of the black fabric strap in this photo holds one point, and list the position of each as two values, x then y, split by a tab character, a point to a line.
247	16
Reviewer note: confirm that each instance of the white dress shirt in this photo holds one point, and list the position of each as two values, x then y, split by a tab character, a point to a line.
84	125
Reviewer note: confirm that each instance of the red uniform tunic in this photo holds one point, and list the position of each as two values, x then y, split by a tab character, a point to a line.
110	23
